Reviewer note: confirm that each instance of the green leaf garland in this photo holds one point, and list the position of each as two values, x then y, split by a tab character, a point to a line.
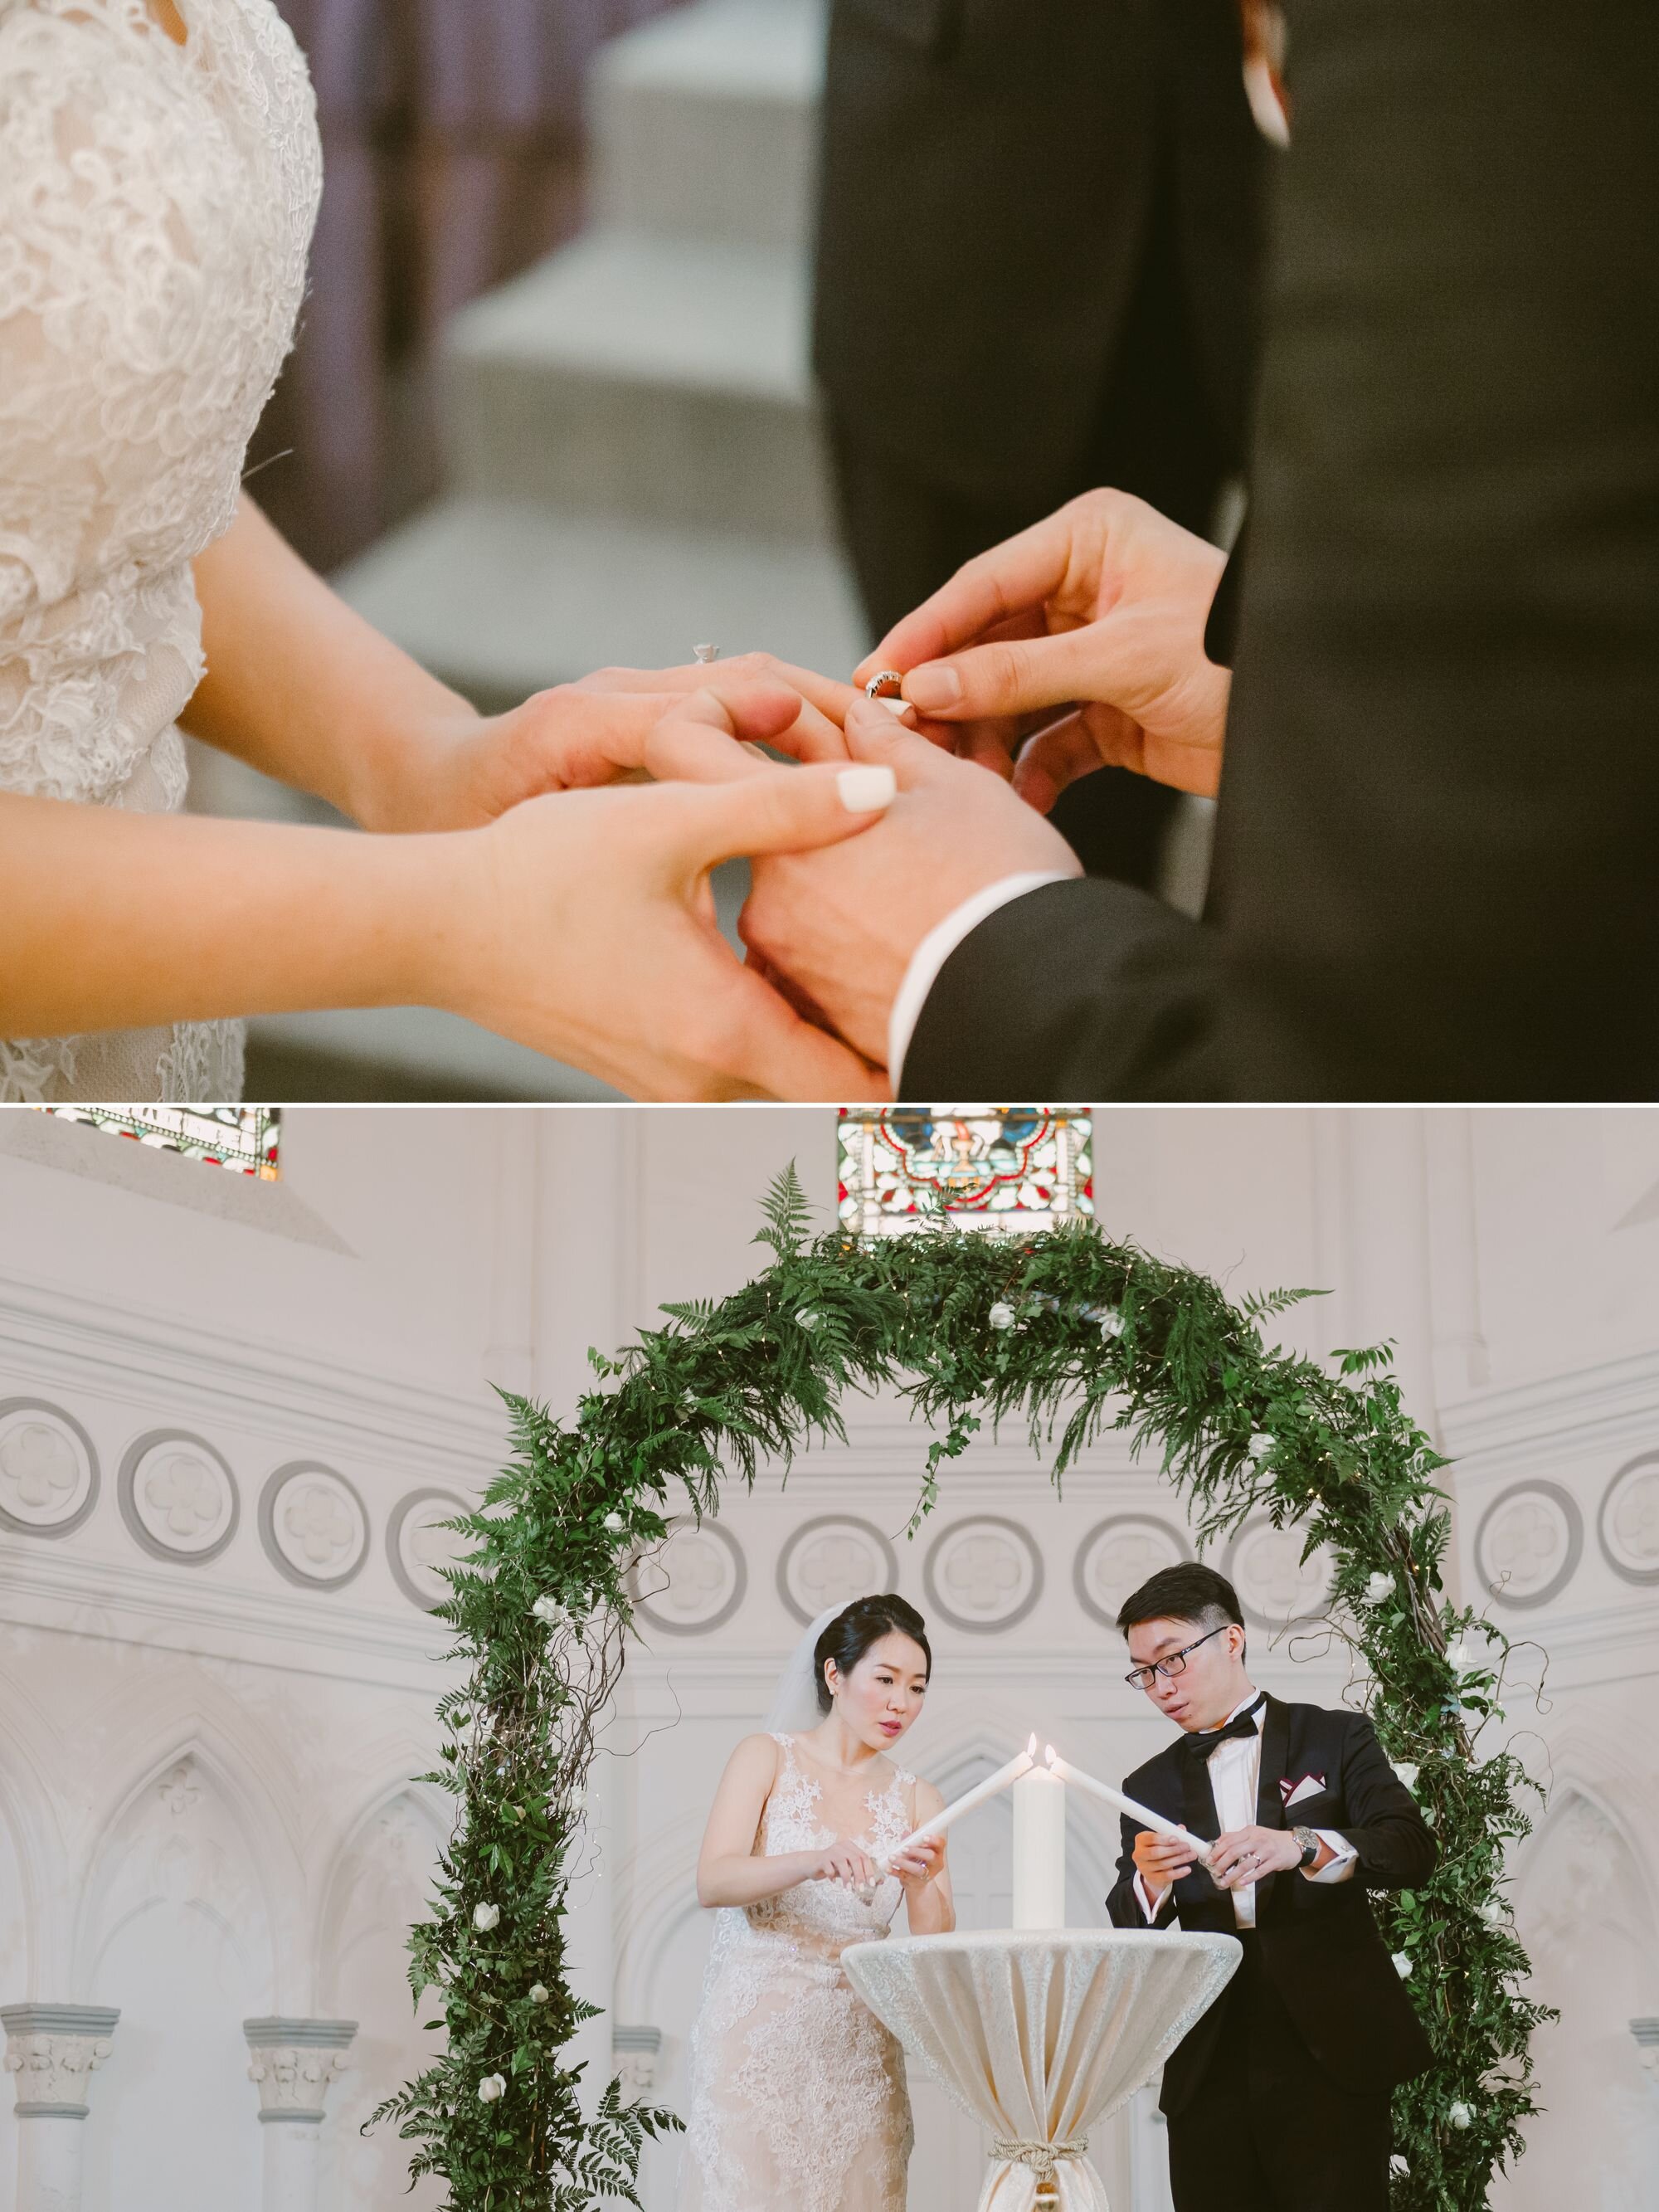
1079	1335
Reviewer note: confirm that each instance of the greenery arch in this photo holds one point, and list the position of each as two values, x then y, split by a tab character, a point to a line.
1079	1334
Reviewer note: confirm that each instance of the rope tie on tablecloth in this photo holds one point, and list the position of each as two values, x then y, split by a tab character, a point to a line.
1041	2157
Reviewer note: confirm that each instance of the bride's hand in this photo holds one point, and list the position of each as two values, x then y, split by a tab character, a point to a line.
846	1865
581	924
463	769
918	1863
1102	608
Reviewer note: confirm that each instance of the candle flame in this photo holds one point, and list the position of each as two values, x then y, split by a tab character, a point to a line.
1049	1753
1031	1746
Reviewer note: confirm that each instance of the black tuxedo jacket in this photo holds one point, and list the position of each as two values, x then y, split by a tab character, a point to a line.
1319	1940
988	175
1435	864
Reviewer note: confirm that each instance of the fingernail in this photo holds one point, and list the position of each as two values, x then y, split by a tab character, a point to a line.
866	790
933	686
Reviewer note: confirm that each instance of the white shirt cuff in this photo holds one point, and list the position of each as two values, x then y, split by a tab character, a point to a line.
1142	1894
936	948
1342	1866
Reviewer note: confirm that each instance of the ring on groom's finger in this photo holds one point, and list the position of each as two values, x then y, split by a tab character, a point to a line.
885	683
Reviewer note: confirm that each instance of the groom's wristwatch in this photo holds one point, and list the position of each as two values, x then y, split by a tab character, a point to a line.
1310	1843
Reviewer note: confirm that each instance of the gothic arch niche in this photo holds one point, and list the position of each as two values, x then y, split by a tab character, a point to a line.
176	1931
1585	1912
379	1884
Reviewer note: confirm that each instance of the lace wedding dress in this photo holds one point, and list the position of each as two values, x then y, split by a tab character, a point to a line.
156	205
798	2095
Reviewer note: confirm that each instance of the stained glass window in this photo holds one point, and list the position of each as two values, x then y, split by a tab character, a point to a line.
963	1167
244	1139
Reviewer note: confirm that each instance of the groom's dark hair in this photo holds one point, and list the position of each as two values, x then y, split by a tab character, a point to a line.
1188	1592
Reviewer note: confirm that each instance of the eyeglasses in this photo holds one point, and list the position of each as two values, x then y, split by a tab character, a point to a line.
1173	1662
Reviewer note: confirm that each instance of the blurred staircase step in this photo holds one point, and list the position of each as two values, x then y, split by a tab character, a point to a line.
640	375
703	122
502	598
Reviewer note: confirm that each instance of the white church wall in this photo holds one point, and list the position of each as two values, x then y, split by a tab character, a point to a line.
1511	1256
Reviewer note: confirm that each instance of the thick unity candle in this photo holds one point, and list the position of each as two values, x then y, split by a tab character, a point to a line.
1039	1850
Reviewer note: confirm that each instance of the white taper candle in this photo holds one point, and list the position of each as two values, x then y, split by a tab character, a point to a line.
1148	1818
1039	1850
1022	1763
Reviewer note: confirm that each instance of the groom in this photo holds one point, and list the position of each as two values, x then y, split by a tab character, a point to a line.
1277	2098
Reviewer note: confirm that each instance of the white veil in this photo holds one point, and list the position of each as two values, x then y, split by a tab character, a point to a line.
795	1708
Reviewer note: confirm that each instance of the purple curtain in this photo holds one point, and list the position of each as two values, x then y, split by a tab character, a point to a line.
452	151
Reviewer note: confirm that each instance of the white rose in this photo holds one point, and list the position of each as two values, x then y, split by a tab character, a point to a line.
1398	2166
485	1917
1000	1315
492	2086
1459	2115
1408	1772
1379	1588
1494	1914
1260	1445
547	1608
539	1993
807	1318
1110	1320
1403	1965
614	1524
1459	1656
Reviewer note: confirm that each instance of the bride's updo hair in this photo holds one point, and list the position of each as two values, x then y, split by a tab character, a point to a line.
858	1626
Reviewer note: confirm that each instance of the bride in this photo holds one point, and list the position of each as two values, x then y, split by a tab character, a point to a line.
160	170
798	2094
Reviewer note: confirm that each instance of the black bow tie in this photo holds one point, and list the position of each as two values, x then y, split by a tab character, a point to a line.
1201	1743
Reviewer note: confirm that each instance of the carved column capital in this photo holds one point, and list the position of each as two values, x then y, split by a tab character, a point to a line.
293	2063
52	2051
1646	2032
634	2054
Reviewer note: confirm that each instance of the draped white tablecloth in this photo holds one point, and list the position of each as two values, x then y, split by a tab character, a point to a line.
1039	2036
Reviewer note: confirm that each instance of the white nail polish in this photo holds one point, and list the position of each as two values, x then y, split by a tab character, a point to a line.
867	789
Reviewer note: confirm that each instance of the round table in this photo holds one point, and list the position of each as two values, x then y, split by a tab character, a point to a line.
1036	2036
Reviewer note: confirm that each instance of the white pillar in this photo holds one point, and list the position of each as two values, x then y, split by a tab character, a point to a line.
293	2064
52	2051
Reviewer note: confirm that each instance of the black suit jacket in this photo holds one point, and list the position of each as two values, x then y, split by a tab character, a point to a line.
988	173
1319	1940
1435	852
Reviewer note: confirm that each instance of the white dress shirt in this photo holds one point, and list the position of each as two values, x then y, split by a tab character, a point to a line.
1234	1768
936	948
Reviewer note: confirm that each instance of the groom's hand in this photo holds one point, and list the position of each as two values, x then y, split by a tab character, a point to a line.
843	935
1161	1860
1244	1855
1084	635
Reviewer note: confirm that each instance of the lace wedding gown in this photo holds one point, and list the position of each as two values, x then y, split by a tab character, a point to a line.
156	205
798	2095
